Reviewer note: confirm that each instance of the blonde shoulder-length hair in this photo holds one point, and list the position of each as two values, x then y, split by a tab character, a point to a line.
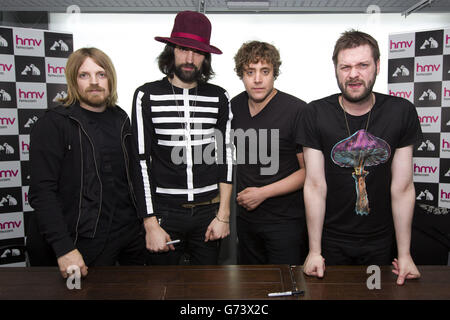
74	63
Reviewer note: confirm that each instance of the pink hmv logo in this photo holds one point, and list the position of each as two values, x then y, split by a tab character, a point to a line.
25	146
401	94
10	225
400	44
446	92
427	67
30	42
5	67
55	70
30	94
445	195
445	144
424	169
8	173
428	119
7	121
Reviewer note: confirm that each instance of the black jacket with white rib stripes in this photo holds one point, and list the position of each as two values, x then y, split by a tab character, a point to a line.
184	141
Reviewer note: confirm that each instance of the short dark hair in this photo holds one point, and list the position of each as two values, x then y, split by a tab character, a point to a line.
166	63
253	52
352	39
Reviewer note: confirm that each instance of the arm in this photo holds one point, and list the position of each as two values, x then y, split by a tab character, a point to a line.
250	198
315	192
155	236
403	199
47	153
219	227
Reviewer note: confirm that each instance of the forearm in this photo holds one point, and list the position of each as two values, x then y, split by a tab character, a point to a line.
291	183
225	190
315	203
402	212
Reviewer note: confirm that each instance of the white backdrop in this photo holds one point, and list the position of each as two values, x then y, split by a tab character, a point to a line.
305	42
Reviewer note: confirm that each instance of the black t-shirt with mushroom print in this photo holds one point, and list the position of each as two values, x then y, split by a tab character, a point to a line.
358	167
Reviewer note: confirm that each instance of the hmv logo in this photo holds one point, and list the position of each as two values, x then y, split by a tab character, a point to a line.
424	169
25	147
5	67
55	70
400	45
428	119
445	195
445	144
401	94
7	121
446	92
10	225
30	94
8	173
427	68
28	42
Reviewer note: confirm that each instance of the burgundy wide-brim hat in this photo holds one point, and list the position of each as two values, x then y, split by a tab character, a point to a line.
193	30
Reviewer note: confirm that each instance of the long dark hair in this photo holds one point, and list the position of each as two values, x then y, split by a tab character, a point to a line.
166	63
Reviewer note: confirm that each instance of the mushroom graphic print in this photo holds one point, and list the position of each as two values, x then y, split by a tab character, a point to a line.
358	151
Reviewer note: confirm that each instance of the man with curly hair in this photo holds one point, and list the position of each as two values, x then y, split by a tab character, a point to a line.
270	213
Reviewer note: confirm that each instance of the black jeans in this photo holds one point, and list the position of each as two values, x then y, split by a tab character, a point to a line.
125	247
188	225
272	243
375	251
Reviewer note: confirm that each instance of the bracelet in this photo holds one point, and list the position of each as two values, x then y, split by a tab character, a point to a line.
220	220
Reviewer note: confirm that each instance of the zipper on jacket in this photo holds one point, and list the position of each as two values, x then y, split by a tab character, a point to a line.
96	170
127	161
81	188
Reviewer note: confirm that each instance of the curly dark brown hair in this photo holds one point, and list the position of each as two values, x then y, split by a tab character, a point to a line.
253	52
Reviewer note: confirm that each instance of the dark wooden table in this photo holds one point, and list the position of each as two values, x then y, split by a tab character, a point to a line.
220	282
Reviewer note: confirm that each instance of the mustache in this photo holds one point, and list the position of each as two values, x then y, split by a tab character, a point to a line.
189	65
94	87
355	82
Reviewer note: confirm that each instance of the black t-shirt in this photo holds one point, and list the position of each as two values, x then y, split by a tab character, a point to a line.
104	129
393	124
262	167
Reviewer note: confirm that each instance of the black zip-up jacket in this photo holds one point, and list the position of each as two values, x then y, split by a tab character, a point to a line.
64	168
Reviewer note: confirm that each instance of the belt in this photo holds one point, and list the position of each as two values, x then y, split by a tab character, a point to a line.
216	199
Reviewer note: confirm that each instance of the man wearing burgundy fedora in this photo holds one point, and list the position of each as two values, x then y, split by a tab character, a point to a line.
179	124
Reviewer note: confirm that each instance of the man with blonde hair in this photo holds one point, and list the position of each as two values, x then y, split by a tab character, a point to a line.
83	165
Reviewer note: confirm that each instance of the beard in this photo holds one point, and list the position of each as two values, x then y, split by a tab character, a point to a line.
188	76
361	97
94	100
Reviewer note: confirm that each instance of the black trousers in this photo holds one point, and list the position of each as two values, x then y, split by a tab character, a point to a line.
188	225
126	247
340	251
272	243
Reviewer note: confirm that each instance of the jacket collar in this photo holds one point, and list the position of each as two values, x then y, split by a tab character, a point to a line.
75	111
